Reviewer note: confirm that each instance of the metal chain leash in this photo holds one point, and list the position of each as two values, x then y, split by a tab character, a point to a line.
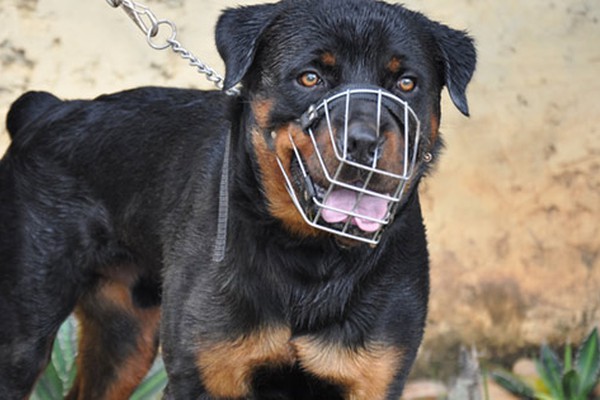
150	25
145	19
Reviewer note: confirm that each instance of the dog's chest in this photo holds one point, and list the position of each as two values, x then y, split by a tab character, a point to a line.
363	372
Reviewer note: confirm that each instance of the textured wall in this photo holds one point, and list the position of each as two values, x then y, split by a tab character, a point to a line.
514	209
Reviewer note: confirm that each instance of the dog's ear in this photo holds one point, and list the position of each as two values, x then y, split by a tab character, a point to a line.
237	34
458	58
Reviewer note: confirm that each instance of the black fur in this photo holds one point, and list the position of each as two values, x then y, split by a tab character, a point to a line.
27	108
123	192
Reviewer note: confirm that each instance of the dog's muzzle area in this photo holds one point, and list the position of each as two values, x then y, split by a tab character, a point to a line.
356	179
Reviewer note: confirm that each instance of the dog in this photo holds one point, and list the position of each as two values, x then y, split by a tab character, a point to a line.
272	240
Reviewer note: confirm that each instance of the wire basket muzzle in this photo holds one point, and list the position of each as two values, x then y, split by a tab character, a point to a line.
354	209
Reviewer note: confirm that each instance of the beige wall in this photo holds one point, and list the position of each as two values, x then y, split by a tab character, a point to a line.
514	209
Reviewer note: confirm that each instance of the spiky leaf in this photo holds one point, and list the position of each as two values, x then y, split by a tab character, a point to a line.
513	384
587	362
542	396
571	386
568	360
550	371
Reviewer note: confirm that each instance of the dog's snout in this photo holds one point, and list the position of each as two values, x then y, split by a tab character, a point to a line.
362	143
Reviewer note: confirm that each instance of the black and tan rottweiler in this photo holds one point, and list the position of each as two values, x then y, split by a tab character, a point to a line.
272	240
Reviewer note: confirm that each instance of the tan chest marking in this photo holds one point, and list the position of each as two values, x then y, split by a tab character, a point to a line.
366	372
226	367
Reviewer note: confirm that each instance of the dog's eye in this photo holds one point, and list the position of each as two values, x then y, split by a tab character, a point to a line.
407	84
309	79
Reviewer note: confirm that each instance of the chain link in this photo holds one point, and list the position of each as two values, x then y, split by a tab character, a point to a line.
150	25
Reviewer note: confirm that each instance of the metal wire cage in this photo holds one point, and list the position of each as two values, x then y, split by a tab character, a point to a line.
360	196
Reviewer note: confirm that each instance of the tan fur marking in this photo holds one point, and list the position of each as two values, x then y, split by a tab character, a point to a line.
227	367
261	108
392	159
280	203
133	370
366	373
116	294
328	59
394	65
435	126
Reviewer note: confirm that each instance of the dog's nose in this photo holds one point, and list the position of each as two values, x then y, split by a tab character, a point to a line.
362	144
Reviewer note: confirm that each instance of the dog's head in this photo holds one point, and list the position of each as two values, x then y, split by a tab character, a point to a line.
345	105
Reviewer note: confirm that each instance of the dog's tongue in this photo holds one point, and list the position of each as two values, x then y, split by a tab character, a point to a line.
369	206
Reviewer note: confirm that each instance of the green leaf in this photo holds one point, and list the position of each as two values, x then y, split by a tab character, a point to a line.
59	375
41	391
61	370
587	362
64	352
568	360
60	360
67	343
550	371
49	386
571	386
513	384
541	396
153	385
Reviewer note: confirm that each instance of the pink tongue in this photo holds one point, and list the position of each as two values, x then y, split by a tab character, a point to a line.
369	206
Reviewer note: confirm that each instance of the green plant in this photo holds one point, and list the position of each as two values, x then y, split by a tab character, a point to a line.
569	380
60	372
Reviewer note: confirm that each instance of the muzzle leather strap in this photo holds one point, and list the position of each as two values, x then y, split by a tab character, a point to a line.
223	216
